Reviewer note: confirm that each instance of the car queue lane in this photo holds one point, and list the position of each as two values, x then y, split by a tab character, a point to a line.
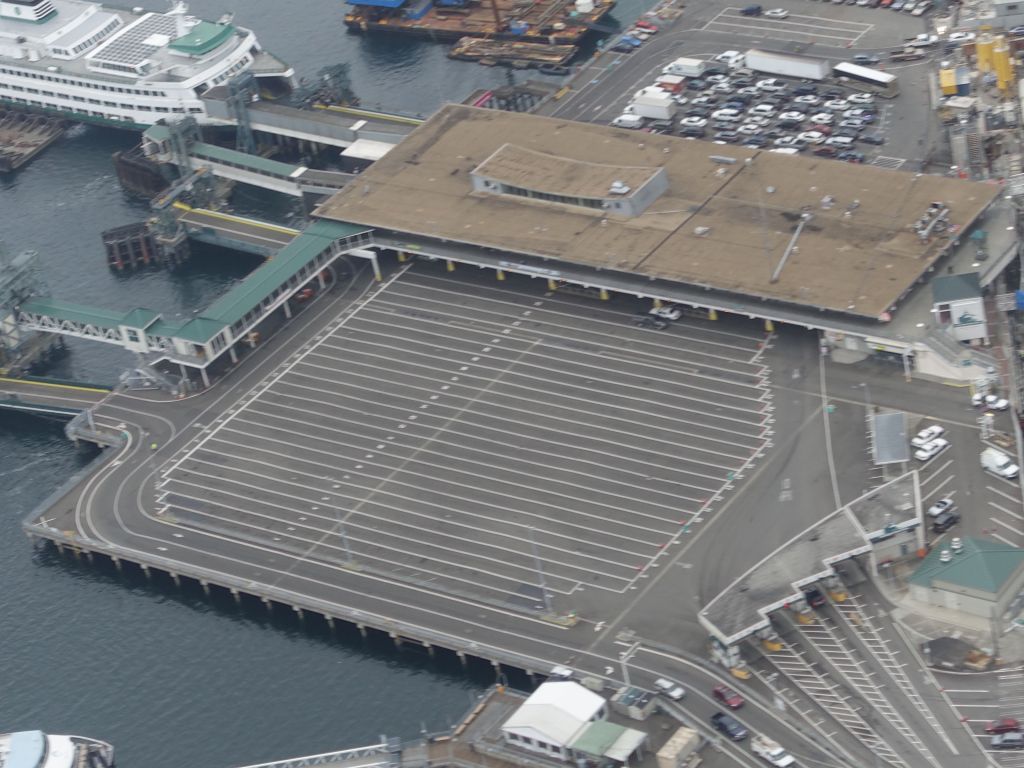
470	452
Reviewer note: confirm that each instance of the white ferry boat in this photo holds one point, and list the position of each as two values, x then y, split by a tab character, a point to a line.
35	749
92	63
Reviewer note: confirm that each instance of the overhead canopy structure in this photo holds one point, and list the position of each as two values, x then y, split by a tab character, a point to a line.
889	442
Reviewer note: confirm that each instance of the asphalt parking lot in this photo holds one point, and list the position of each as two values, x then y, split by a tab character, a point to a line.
980	698
989	505
833	32
477	439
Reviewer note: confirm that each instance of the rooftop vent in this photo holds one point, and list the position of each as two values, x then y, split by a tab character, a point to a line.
722	159
618	188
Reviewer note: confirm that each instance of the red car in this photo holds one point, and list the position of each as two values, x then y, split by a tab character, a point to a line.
727	696
646	26
1002	725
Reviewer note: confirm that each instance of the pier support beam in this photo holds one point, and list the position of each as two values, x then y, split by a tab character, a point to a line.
268	604
205	376
176	578
237	595
330	623
145	570
233	355
300	613
117	563
430	649
462	658
362	630
287	310
376	268
206	587
497	669
397	640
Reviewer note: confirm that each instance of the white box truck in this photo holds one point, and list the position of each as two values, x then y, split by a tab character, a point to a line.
788	65
771	751
685	67
652	103
998	463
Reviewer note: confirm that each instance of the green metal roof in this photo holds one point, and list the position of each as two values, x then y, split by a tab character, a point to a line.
77	313
955	287
984	565
202	38
598	737
140	317
235	157
232	306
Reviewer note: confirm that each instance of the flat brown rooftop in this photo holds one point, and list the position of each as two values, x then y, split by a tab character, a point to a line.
725	221
557	175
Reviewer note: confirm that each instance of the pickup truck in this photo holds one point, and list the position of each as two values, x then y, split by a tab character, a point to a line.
908	54
729	725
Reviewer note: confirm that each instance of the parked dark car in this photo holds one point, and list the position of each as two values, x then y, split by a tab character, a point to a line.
945	521
757	141
805	89
697	85
692	131
751	10
814	596
729	137
826	151
729	725
649	321
872	138
851	156
1003	725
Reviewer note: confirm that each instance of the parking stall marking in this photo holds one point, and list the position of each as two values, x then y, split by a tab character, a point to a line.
792	664
430	465
812	28
844	659
893	163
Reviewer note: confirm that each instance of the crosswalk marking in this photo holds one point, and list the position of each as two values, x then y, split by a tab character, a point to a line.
883	161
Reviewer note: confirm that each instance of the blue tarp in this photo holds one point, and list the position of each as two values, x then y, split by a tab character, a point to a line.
379	3
1020	299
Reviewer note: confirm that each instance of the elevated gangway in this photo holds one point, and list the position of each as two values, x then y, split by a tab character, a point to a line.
231	231
372	756
287	178
196	342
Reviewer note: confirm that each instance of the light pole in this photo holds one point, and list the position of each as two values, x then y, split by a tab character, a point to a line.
545	595
624	659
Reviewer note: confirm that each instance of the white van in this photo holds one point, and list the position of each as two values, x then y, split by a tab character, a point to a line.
843	142
785	150
731	59
628	121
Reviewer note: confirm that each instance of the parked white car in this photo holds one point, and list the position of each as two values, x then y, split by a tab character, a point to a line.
809	99
823	118
930	450
776	13
811	137
860	98
667	312
795	116
837	105
926	435
693	122
940	506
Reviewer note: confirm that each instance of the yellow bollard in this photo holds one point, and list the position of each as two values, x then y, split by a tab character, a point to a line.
604	294
501	274
451	265
769	326
552	285
712	314
657	303
402	256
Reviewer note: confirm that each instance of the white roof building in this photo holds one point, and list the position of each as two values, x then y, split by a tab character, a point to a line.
553	717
